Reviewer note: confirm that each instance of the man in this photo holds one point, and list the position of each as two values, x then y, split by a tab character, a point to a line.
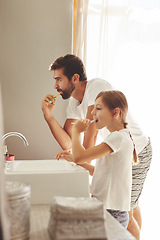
71	82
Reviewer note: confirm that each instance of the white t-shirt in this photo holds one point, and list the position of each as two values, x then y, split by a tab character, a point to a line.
112	178
75	110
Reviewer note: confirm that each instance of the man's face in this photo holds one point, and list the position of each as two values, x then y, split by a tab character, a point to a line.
62	84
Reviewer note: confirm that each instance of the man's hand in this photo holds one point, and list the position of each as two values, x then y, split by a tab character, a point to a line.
65	155
48	105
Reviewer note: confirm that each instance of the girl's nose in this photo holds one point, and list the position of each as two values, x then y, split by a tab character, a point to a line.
92	112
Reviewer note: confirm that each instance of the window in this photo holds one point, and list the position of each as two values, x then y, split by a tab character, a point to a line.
122	45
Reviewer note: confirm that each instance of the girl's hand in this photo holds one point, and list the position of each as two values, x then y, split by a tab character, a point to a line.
65	155
81	125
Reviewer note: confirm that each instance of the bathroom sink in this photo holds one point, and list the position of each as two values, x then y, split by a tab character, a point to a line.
49	178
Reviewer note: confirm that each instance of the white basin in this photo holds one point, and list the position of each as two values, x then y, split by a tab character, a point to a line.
49	178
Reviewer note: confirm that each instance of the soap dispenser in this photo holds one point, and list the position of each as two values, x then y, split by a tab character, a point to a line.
8	158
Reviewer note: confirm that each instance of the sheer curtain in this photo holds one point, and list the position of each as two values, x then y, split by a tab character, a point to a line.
80	28
103	27
122	46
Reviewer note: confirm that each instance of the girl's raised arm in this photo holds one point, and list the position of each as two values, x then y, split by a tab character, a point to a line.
81	155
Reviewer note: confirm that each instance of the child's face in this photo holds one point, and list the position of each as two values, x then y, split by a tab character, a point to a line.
102	114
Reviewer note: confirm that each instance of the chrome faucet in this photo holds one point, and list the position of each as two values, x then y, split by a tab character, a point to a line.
15	134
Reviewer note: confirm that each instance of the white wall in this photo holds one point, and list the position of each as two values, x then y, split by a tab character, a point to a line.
33	34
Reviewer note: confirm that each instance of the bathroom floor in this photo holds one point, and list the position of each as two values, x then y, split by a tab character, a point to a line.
39	216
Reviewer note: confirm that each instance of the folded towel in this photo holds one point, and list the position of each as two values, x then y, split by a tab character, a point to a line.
77	230
76	218
77	208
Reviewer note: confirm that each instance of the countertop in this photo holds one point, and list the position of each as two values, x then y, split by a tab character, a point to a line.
39	217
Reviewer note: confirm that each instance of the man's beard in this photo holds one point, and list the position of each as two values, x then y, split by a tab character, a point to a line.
66	93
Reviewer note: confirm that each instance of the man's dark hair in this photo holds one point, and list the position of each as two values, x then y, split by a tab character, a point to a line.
71	65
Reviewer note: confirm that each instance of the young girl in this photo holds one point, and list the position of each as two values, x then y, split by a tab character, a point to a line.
112	176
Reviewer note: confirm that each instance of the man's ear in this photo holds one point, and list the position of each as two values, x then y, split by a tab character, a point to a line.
116	112
75	77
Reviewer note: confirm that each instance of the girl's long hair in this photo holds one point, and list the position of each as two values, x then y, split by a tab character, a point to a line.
116	99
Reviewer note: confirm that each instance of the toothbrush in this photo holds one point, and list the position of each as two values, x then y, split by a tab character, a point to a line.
55	97
90	122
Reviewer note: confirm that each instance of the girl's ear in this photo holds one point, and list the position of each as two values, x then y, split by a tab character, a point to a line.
116	112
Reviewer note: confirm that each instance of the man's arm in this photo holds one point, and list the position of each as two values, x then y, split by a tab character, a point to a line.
62	135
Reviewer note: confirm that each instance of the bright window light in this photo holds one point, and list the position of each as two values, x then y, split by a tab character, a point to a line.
123	47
